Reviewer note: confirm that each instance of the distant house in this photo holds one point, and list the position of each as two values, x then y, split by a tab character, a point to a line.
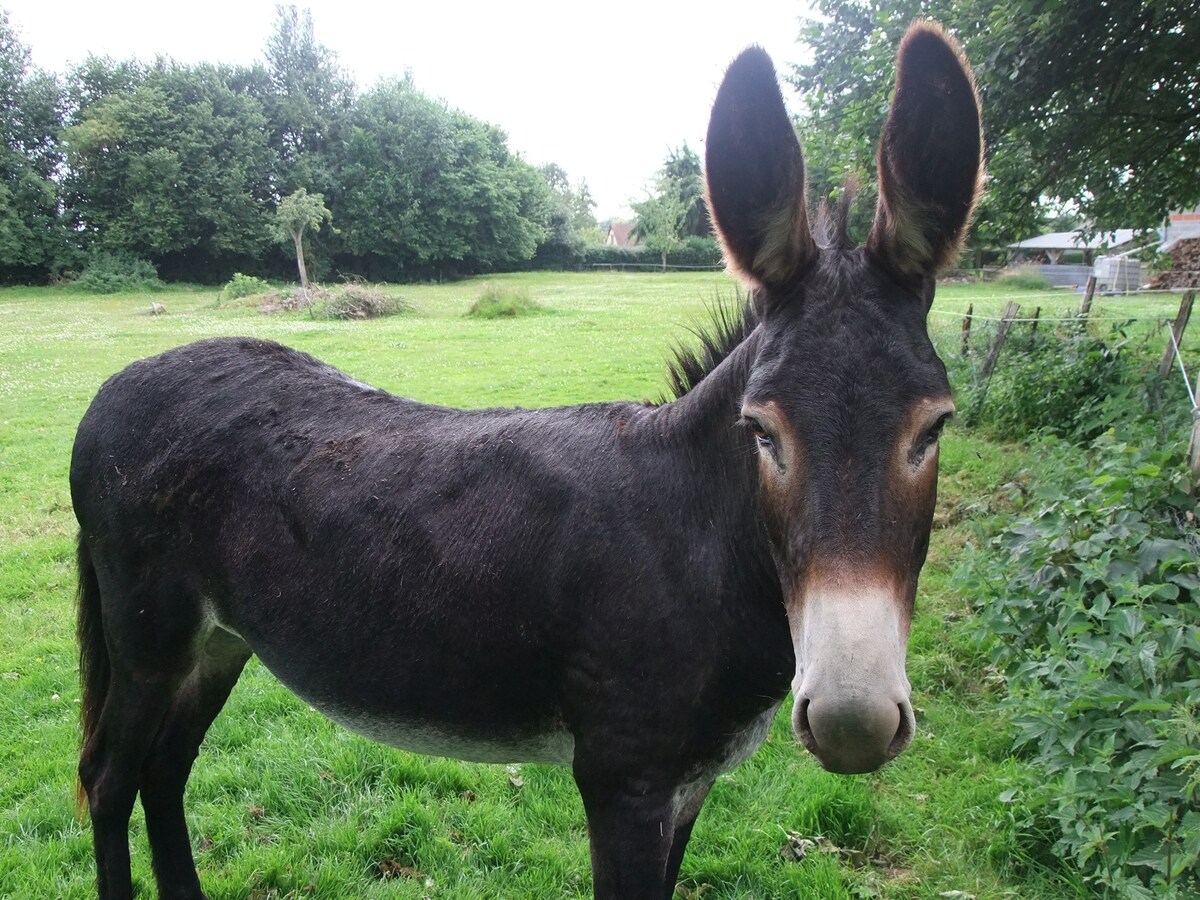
619	234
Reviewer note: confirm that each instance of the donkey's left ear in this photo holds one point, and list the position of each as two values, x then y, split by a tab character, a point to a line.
930	157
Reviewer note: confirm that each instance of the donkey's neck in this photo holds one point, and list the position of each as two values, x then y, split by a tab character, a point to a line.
706	415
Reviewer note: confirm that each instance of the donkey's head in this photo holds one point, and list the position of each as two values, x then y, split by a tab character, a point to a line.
846	396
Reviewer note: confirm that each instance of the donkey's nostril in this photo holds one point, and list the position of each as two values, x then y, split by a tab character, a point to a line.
904	734
802	727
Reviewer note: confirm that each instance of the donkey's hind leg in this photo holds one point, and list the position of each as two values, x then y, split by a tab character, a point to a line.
195	704
110	767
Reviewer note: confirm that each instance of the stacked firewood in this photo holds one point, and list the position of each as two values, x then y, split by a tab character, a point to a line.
1185	266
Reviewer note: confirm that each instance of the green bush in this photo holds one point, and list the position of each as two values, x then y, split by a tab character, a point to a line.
1024	280
496	302
358	301
243	286
1087	599
113	273
1056	385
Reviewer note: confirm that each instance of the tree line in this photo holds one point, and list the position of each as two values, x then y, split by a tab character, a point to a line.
186	166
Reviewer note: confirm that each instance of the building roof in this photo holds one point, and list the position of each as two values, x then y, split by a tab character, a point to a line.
1073	240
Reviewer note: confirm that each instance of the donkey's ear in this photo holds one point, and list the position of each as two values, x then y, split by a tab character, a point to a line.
754	172
930	157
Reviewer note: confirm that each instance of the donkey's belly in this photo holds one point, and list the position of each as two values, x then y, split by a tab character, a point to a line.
551	746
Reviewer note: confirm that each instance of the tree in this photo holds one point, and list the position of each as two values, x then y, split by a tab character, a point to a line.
296	214
175	169
682	166
425	189
308	98
661	217
569	220
1085	103
32	239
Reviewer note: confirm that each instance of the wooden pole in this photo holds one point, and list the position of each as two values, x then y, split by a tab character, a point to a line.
1175	338
989	363
966	330
1088	293
1037	314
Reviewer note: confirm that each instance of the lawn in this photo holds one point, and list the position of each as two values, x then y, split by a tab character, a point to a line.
283	803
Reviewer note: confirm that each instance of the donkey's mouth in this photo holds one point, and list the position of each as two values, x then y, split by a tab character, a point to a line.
852	743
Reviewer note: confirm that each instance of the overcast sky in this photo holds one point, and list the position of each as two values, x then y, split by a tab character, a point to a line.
604	90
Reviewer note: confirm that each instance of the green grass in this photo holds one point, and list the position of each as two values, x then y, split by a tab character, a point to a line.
283	803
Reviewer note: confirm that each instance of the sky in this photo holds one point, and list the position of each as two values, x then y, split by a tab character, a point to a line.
603	90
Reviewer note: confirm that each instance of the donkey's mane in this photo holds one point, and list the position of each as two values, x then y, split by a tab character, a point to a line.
730	324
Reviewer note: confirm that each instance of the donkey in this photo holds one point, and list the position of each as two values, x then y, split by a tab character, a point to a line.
626	589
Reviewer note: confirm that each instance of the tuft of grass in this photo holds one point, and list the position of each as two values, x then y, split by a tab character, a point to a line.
498	302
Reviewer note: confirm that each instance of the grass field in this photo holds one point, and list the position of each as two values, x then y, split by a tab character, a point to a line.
282	803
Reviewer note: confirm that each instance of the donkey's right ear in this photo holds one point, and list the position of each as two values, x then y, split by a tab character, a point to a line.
754	173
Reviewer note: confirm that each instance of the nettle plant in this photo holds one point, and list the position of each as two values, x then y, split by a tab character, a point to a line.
1088	599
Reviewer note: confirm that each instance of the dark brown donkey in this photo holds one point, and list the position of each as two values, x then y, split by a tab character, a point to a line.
628	590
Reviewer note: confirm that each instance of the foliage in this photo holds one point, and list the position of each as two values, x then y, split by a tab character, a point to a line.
359	301
174	169
1077	76
425	189
569	219
661	217
504	303
243	286
32	239
306	99
1024	280
1059	385
117	272
1088	599
682	166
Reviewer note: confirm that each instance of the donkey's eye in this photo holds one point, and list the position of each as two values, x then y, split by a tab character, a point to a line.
755	427
929	439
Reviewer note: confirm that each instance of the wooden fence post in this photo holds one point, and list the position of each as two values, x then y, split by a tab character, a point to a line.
1088	292
1037	314
966	330
989	363
1175	338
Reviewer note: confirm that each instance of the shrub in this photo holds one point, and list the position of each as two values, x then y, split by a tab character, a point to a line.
1088	603
358	301
1056	385
243	286
112	273
1024	280
496	302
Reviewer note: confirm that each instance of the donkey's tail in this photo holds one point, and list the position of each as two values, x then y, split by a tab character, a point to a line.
94	665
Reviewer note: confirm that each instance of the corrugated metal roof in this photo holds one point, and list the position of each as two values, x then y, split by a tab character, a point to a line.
1073	240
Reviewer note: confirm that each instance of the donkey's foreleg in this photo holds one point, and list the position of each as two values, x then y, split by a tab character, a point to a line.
631	827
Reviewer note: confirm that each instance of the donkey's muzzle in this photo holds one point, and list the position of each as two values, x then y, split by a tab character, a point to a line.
852	708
